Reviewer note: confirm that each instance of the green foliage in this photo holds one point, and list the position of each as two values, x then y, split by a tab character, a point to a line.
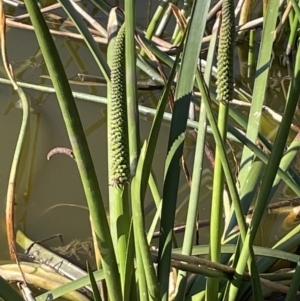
131	269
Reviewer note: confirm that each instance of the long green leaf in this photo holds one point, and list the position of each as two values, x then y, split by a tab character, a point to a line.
197	170
96	292
139	231
178	125
224	96
260	85
269	175
90	42
80	149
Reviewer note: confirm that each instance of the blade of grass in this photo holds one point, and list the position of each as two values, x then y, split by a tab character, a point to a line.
293	33
96	293
224	96
226	167
294	287
183	93
265	158
139	232
139	191
262	73
248	193
133	126
90	42
197	171
269	176
80	149
163	5
131	94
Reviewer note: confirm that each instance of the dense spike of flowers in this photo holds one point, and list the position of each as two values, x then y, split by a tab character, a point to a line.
118	117
226	52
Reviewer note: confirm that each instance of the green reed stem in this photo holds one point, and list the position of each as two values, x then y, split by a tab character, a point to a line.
197	170
141	276
183	94
292	36
131	91
138	194
103	100
87	36
251	53
262	73
165	19
269	176
141	244
80	149
186	8
163	5
226	167
133	127
293	291
224	96
119	152
296	9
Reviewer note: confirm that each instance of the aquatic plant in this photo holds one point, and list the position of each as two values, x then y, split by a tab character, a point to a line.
234	267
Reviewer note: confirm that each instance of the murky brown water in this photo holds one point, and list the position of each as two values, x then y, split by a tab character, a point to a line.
48	190
45	188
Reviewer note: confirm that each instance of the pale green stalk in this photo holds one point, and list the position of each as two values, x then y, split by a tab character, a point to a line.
251	53
294	26
119	153
197	171
165	19
163	5
141	276
96	293
269	177
247	194
186	8
183	93
139	185
226	167
98	99
296	8
90	42
262	76
131	91
224	96
132	117
141	244
293	291
292	36
80	149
